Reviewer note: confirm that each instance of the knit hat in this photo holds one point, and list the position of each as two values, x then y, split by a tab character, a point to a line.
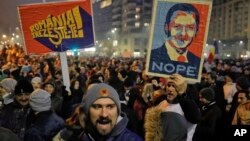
100	90
207	93
40	100
36	80
179	82
23	86
8	84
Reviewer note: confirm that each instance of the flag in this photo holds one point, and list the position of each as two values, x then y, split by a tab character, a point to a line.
216	47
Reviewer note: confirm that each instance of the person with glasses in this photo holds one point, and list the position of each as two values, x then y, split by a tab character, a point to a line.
14	115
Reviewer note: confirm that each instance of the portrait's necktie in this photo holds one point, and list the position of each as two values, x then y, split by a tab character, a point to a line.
181	58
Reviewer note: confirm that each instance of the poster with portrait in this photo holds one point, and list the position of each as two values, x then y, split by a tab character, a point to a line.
57	26
178	34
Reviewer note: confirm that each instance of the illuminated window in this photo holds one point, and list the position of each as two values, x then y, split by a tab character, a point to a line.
146	24
137	16
137	24
105	3
115	43
137	9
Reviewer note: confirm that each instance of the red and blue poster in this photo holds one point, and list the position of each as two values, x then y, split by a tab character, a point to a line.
178	34
57	27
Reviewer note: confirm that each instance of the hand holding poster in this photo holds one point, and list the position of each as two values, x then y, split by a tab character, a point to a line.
178	35
57	26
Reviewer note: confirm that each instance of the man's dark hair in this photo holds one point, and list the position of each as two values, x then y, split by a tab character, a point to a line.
182	7
246	92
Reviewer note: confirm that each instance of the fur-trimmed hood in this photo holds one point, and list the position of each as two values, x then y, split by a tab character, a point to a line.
152	125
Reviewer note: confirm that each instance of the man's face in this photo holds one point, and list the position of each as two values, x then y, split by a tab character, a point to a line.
242	98
49	88
203	101
208	79
23	98
182	28
77	85
103	115
171	92
36	85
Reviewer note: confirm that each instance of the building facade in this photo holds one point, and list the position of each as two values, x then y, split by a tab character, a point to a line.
126	31
230	26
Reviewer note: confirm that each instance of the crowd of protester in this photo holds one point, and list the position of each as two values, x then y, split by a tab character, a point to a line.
35	104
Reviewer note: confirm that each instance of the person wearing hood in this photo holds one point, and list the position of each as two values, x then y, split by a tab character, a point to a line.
104	119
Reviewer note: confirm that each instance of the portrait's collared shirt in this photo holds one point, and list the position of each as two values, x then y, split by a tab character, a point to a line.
173	54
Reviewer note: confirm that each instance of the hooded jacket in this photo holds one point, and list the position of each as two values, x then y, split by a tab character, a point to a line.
164	126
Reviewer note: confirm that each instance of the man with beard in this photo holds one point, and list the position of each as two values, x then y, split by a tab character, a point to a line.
104	119
14	115
174	118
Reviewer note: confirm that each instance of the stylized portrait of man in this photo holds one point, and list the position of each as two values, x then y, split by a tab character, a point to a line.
181	26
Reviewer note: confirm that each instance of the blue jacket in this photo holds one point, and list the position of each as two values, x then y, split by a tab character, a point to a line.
13	116
46	125
119	133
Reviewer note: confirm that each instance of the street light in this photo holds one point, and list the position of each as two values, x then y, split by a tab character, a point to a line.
4	36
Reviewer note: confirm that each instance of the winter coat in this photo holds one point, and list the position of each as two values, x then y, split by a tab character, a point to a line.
13	116
190	112
119	132
164	126
56	103
7	135
209	125
46	125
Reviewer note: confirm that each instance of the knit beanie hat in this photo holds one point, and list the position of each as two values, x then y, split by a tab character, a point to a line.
23	86
8	84
36	80
100	90
40	100
179	82
207	93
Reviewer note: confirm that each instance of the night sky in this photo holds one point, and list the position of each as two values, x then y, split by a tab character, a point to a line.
9	19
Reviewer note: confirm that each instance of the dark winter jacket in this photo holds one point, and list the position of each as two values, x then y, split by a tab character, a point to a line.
46	125
7	135
209	125
13	116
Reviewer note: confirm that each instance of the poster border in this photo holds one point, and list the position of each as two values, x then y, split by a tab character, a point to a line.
150	44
